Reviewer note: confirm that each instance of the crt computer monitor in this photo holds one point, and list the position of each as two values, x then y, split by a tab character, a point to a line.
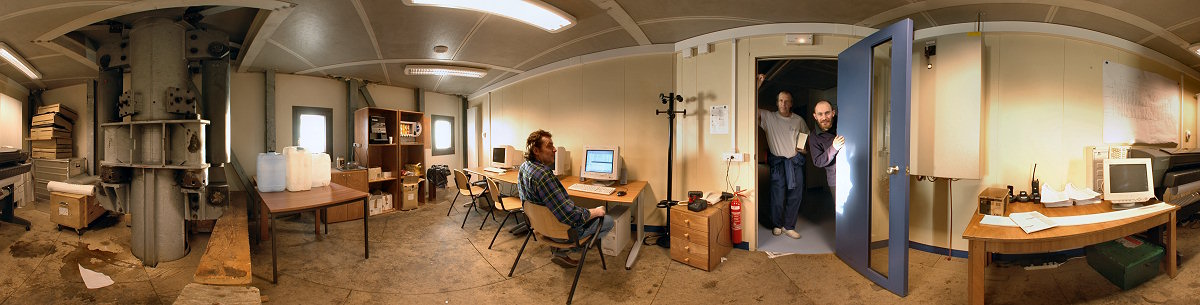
601	163
1128	179
505	156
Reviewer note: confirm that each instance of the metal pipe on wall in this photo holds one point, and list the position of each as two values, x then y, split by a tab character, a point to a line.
269	103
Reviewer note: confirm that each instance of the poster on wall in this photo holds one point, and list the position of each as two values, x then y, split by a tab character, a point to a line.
1139	106
718	119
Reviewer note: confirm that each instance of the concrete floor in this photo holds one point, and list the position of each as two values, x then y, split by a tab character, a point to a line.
422	257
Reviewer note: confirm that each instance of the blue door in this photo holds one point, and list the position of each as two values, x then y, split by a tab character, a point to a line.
874	77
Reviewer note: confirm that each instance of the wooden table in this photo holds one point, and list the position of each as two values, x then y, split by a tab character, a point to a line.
633	189
984	239
286	203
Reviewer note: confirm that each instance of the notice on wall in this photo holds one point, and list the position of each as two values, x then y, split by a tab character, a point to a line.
718	120
1139	106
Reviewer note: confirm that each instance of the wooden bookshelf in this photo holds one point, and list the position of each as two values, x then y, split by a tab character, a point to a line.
385	156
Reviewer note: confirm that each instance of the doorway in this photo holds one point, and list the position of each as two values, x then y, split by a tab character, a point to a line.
809	80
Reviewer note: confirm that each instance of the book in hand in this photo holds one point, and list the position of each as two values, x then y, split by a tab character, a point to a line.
1032	221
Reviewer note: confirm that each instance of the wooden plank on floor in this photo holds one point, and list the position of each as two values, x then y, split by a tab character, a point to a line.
226	261
200	294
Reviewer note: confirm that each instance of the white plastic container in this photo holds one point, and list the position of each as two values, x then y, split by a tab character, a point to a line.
299	168
320	169
271	171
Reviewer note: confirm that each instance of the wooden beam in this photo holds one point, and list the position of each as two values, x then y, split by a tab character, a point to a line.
264	26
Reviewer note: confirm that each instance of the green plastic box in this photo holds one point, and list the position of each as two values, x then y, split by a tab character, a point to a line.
1126	262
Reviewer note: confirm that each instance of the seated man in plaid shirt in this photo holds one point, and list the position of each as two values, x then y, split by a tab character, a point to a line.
538	185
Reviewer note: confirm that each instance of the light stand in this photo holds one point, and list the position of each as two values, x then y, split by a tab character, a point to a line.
665	240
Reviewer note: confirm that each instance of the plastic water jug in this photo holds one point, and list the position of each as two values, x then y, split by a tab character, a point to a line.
271	172
320	169
299	168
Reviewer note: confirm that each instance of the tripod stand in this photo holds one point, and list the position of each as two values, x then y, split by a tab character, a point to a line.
670	99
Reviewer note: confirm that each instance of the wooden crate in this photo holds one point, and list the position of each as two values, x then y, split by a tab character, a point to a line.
73	210
52	119
52	143
59	109
48	133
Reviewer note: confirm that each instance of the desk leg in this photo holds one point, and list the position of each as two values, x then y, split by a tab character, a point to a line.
1170	261
366	237
976	255
263	227
274	257
641	234
317	222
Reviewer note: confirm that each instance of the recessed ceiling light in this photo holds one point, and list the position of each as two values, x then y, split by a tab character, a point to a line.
11	57
444	70
440	49
532	12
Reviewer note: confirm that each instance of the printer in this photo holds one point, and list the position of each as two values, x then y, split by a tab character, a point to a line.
1176	175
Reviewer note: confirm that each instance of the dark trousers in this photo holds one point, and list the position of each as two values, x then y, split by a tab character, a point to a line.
786	197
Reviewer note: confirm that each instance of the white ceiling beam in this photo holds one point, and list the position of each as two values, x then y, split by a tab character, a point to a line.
409	61
366	21
264	26
622	17
60	6
569	42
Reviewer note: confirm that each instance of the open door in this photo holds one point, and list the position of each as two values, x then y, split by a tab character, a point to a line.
871	195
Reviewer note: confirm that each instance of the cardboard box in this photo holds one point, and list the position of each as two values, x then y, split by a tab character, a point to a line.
58	109
1126	262
48	133
73	210
58	143
409	193
374	173
993	201
51	119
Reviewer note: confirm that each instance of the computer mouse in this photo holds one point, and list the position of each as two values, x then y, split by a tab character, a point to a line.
620	193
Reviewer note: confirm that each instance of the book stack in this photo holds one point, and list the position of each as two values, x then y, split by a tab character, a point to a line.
50	132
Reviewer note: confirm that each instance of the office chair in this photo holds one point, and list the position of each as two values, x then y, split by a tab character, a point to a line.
508	204
464	188
543	224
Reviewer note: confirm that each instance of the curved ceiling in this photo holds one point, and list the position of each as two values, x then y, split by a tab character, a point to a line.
374	39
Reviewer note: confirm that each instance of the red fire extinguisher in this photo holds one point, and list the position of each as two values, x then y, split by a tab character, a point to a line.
735	213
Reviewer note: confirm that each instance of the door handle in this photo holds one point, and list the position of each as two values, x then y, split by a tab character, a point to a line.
892	170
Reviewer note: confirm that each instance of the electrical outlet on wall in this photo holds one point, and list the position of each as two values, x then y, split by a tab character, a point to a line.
733	156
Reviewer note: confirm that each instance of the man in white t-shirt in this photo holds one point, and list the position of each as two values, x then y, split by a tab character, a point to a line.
786	160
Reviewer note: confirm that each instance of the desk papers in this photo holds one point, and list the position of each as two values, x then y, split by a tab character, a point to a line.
1032	221
1070	195
1084	219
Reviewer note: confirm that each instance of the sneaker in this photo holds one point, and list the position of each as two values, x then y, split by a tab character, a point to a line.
793	234
777	231
565	261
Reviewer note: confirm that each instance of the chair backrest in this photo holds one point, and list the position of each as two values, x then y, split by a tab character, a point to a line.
544	222
494	192
460	180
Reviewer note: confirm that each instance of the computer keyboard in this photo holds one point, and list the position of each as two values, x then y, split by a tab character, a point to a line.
495	170
602	190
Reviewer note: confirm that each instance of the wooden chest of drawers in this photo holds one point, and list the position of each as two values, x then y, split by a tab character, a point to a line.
355	179
700	239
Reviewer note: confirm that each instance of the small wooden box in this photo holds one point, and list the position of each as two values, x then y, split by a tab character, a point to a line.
73	210
993	201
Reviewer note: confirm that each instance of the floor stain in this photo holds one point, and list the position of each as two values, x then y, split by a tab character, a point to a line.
94	259
24	249
710	284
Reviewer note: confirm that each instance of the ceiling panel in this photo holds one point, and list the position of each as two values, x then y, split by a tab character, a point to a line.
675	31
59	84
19	31
1182	55
272	57
1099	23
233	22
849	12
60	67
1165	13
466	86
919	21
607	41
992	12
412	31
325	33
504	42
1189	33
372	72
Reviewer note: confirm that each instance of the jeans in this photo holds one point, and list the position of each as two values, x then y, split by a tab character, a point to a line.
605	225
785	201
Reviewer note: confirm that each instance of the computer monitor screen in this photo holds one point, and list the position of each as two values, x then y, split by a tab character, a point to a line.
498	155
1128	180
505	156
599	161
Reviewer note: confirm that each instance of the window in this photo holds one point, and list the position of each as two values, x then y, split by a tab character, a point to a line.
312	128
443	134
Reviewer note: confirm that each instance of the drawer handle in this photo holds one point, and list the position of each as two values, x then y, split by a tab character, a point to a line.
687	221
686	259
685	248
685	235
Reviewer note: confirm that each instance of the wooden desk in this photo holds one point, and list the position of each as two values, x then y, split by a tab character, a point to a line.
985	239
633	190
286	203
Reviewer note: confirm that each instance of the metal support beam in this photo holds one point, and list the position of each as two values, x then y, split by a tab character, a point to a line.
351	91
269	102
420	98
91	132
264	25
462	128
366	94
108	91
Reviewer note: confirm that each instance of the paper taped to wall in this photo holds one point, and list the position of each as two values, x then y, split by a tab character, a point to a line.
1139	106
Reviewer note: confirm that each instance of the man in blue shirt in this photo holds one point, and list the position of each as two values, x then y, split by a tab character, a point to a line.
538	185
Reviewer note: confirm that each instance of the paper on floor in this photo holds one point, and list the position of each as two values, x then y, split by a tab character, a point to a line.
94	279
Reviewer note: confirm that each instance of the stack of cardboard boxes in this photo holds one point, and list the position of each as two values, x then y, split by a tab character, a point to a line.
51	132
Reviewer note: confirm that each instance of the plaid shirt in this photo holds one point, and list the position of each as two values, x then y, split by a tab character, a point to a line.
539	185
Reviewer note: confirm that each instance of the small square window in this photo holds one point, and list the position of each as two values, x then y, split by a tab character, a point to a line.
443	134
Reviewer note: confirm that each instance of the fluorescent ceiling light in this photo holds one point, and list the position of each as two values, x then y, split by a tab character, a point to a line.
444	71
11	57
532	12
1195	48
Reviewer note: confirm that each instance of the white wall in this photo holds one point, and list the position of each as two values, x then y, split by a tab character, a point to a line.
13	105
